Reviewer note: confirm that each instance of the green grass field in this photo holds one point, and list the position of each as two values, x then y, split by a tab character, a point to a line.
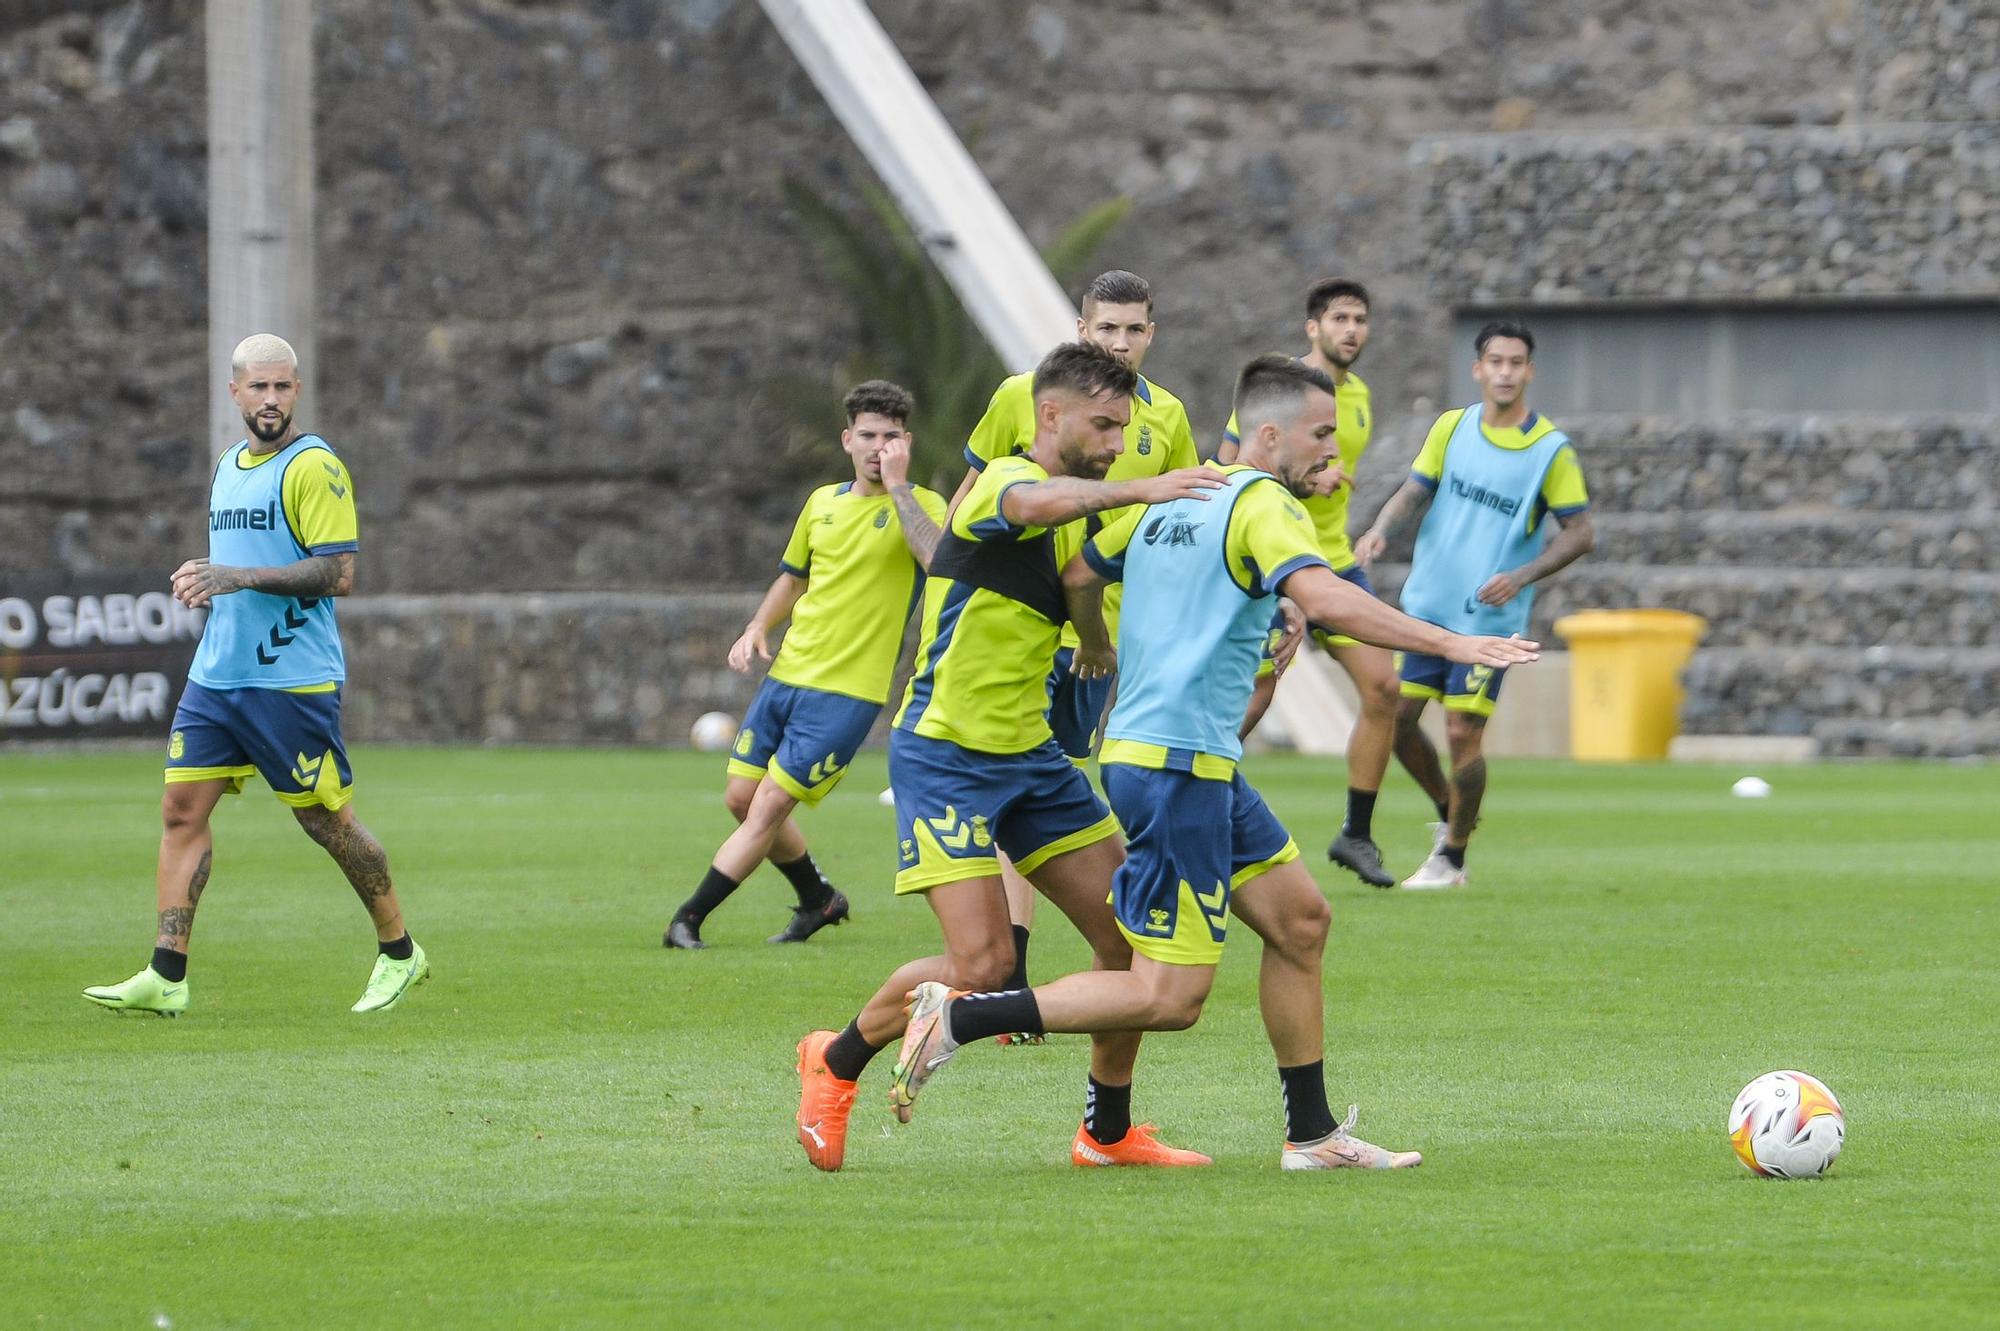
570	1127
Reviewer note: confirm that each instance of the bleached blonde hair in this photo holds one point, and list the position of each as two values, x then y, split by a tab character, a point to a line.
261	349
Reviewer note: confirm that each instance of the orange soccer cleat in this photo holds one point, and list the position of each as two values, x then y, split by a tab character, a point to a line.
1141	1145
825	1101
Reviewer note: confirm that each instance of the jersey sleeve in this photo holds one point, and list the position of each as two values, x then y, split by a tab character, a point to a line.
1271	537
1230	432
1105	552
797	559
319	503
1428	469
933	503
979	516
1563	492
999	430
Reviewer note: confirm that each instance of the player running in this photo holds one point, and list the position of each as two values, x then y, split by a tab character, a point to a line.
1337	329
848	578
263	694
1201	582
1481	485
1116	313
975	769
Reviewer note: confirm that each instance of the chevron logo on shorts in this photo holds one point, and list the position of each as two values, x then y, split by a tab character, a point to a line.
826	769
1214	906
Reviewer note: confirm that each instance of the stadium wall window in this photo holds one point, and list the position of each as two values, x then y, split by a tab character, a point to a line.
1710	361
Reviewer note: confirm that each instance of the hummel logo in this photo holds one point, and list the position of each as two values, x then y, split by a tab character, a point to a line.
333	480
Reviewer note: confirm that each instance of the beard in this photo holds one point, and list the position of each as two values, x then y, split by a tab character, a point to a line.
267	433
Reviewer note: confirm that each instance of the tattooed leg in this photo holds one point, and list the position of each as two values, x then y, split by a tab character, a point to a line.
186	852
361	857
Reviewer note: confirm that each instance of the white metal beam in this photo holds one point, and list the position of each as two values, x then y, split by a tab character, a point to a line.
963	225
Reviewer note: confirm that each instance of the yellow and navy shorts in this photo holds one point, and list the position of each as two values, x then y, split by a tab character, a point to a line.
1076	706
803	739
1464	688
1190	842
956	808
1326	639
290	739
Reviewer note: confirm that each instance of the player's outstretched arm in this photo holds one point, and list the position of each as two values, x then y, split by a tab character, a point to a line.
1083	590
1062	499
1341	606
197	582
1407	505
755	644
1574	539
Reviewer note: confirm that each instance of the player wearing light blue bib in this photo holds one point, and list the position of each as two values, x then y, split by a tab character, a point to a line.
1201	582
1490	481
263	694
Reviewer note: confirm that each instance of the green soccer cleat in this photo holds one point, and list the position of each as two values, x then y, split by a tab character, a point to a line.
148	991
392	979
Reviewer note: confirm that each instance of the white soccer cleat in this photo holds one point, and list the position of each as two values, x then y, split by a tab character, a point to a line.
1435	872
1340	1149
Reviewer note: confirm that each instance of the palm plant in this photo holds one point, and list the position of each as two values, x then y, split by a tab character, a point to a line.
913	329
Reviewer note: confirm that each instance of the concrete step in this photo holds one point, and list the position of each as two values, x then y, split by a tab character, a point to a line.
1908	738
1826	693
1824	539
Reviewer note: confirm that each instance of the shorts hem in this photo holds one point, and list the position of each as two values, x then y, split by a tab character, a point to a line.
234	775
1289	853
332	802
1103	828
737	767
1424	691
799	790
1171	951
1472	703
922	879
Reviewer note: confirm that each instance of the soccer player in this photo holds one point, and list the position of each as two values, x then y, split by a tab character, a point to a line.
1337	329
1485	479
974	766
1116	313
1201	582
847	578
263	694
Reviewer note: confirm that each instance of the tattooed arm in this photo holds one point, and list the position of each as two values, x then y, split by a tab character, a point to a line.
197	582
920	532
1062	499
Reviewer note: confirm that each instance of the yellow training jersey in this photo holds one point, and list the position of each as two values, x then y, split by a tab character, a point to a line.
1157	439
993	608
861	581
1354	425
1563	491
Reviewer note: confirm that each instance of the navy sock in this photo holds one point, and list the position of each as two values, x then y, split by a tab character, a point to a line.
1307	1117
982	1016
1456	854
1360	814
1107	1112
171	966
402	949
1019	979
714	890
847	1053
1444	811
806	879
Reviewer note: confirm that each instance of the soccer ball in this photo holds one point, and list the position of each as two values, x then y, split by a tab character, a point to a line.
713	732
1787	1125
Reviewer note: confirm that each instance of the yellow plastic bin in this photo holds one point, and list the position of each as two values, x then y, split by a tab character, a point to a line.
1625	680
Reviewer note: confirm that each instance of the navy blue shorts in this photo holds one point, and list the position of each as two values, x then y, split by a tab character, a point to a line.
803	739
1464	688
956	806
1191	841
292	740
1076	706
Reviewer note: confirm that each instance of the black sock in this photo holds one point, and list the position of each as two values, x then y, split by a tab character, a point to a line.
1455	854
847	1053
402	949
811	885
1307	1117
171	966
1107	1112
1019	979
1444	811
1360	814
982	1016
714	890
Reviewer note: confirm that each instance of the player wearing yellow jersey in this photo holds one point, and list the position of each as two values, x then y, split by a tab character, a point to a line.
1116	313
848	579
1487	476
263	693
1337	329
974	765
1201	584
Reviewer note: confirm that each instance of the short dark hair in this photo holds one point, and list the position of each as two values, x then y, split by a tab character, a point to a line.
1086	368
1503	328
1118	287
1330	289
1273	387
881	398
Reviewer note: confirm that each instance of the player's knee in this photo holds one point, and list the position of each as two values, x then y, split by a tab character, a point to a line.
1463	729
181	814
1409	717
1175	1011
1307	926
736	798
1382	697
984	970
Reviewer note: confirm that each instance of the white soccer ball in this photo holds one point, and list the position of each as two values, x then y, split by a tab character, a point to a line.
713	732
1750	788
1787	1125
